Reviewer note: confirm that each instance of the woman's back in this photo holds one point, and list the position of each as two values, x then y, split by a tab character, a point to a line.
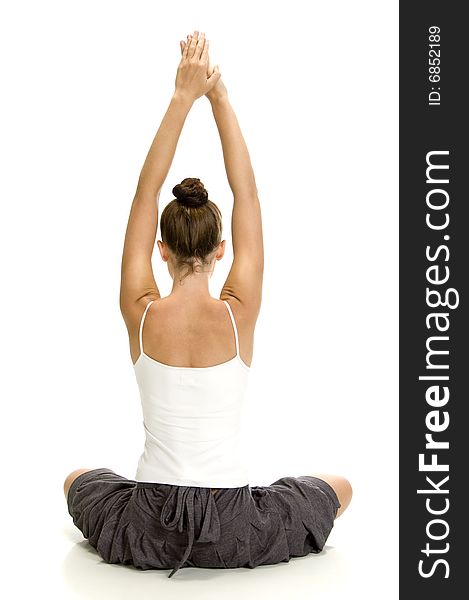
192	334
192	415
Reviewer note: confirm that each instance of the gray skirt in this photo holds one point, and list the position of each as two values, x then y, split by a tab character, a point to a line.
159	526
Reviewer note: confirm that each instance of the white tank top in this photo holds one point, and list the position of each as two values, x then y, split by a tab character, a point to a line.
192	417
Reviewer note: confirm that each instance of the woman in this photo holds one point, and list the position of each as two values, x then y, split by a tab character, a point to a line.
192	355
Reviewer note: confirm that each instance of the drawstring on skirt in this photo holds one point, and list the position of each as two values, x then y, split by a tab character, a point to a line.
181	500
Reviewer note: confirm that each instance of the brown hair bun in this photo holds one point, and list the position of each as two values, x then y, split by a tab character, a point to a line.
191	192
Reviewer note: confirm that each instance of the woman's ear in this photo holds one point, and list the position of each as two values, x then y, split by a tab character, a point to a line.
221	250
163	250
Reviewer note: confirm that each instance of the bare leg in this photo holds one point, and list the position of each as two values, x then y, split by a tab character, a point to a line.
342	488
71	478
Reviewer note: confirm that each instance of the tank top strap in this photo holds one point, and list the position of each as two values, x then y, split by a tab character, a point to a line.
234	326
140	338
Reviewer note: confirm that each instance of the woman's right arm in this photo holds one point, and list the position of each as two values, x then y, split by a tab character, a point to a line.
244	280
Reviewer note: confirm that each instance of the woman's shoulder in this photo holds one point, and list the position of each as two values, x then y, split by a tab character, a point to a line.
244	312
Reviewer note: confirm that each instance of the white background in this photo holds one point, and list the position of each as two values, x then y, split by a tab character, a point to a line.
314	85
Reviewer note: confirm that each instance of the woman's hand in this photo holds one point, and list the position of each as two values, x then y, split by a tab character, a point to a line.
218	90
192	79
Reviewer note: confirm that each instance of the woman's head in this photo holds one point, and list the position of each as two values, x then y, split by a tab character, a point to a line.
191	228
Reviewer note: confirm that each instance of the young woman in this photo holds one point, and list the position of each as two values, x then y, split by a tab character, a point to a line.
192	355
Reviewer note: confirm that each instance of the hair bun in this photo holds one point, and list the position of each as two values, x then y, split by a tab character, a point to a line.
191	192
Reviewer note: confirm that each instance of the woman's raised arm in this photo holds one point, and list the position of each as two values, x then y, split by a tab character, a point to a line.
137	278
244	281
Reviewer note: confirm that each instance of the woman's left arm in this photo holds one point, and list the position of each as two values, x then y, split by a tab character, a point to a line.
137	280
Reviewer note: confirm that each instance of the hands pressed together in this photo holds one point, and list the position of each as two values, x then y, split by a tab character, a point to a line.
195	75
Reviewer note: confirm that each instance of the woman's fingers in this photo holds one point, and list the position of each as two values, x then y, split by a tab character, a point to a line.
200	46
213	79
193	44
197	46
185	52
204	54
209	66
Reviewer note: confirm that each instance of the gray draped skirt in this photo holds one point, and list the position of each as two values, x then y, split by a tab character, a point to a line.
159	526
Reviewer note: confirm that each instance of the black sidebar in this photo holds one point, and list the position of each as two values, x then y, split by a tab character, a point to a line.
433	262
